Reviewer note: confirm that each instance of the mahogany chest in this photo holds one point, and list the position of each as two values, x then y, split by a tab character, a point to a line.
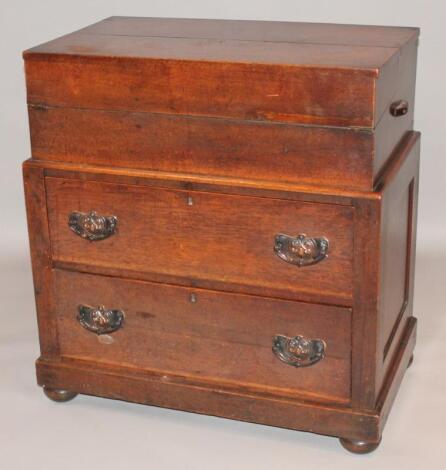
222	218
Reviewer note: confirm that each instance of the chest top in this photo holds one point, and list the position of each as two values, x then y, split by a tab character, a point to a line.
275	58
365	48
303	103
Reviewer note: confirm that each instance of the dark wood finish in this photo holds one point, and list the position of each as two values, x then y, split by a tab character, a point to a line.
88	107
206	335
206	139
399	190
252	91
39	242
203	183
235	403
341	157
203	236
404	154
364	324
399	80
261	77
191	144
59	395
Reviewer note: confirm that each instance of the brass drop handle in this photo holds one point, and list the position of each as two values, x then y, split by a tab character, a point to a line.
399	108
99	320
298	351
92	225
301	250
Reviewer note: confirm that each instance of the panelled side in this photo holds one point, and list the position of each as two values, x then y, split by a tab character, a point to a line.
397	257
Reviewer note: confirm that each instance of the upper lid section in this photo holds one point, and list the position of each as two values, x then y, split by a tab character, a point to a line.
302	73
365	48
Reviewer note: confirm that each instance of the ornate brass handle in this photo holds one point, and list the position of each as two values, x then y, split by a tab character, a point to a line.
301	250
99	320
298	351
92	225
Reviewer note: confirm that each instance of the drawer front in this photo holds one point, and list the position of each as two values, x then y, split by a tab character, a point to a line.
205	239
205	335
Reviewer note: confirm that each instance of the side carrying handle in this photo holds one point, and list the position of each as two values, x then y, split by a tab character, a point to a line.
99	320
301	250
298	351
399	108
92	225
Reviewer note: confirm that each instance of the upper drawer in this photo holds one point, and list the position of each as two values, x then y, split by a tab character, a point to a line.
334	75
206	239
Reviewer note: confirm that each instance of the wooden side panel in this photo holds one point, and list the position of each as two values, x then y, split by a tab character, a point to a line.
218	337
271	92
39	241
201	238
220	147
396	216
398	234
380	261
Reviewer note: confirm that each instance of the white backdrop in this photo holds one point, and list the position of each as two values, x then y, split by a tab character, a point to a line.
92	433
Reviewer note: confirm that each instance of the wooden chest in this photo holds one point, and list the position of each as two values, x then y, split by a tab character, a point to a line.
222	218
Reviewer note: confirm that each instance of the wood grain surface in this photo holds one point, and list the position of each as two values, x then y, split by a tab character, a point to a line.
226	239
296	79
217	147
217	337
206	139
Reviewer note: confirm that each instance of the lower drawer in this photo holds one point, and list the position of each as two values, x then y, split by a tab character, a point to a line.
206	335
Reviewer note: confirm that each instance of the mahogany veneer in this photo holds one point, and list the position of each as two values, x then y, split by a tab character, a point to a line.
222	218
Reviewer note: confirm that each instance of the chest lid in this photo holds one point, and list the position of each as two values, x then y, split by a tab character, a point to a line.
318	74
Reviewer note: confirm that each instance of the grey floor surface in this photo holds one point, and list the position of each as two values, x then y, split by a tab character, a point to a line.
93	433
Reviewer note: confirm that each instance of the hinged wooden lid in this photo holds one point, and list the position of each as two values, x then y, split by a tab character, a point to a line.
321	74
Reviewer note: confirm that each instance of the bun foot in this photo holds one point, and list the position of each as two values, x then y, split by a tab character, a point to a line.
359	447
410	361
58	395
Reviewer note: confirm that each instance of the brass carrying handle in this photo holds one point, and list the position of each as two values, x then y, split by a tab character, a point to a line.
298	351
91	225
399	108
99	320
301	250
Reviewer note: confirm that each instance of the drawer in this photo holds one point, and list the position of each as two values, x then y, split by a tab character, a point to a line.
206	336
208	240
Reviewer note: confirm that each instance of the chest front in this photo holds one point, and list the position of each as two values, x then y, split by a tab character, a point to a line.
222	218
